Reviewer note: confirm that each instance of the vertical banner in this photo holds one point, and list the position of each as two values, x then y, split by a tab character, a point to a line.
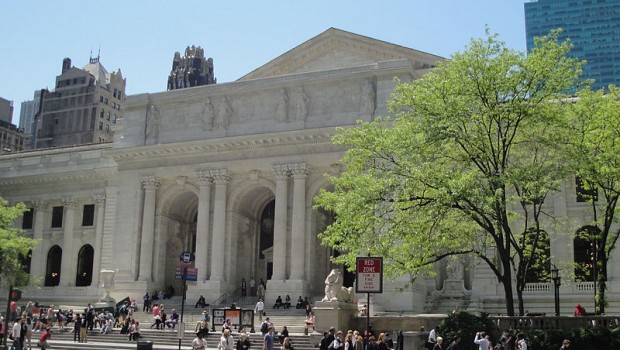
369	272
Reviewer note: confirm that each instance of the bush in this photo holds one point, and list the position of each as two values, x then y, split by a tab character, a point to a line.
466	325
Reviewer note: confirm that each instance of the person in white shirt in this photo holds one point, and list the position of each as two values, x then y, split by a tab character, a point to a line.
259	309
199	343
482	341
521	344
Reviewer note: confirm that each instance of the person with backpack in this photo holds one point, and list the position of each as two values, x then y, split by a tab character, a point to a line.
264	327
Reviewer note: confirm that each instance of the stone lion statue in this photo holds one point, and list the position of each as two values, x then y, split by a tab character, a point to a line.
334	291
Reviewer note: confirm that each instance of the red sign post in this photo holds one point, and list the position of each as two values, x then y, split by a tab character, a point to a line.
369	275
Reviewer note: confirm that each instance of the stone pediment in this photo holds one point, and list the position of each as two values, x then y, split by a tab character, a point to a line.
334	49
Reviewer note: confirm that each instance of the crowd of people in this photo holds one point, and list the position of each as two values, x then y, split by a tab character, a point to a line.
506	341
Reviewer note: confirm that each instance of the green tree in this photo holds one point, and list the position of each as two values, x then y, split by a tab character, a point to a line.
595	151
13	245
463	166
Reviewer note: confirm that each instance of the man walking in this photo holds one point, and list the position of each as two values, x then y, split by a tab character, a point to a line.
259	309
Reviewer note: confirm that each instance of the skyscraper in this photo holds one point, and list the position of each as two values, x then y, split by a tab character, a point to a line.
593	27
83	108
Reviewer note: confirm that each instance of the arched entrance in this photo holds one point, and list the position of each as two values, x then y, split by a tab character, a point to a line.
175	233
52	272
84	276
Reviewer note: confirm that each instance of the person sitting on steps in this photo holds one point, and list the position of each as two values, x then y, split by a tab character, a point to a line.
278	303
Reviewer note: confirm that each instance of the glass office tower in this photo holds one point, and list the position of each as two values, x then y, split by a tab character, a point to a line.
593	27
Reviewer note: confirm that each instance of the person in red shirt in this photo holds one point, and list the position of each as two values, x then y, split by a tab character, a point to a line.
580	310
45	335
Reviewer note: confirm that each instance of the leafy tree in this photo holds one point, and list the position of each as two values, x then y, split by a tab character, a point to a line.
13	245
595	151
463	166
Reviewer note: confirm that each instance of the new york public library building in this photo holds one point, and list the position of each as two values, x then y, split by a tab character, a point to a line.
229	171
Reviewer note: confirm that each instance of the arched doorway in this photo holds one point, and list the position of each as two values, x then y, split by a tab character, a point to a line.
84	275
52	272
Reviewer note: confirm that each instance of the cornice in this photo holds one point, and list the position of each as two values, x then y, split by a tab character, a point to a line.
262	142
99	174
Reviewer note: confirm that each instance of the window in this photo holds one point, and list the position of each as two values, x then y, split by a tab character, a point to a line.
88	215
57	217
585	191
101	114
100	125
114	119
108	116
27	219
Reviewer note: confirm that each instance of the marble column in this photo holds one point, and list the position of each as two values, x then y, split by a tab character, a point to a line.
299	172
150	184
37	265
100	205
218	245
202	224
69	259
280	222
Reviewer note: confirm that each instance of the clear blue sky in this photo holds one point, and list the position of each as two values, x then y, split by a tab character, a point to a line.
140	37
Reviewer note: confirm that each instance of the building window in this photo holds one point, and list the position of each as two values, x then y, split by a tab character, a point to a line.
57	217
108	116
585	192
100	125
101	99
27	219
88	215
101	114
114	119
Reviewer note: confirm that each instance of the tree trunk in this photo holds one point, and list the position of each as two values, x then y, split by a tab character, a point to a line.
507	282
601	278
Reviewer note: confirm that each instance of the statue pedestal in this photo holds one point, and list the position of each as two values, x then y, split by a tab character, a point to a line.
333	314
454	288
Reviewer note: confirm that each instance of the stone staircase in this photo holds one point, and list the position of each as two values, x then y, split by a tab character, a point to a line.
159	339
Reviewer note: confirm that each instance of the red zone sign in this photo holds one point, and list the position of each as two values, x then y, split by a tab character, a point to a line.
369	275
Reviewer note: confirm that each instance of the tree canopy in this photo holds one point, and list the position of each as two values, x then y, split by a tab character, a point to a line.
463	164
13	245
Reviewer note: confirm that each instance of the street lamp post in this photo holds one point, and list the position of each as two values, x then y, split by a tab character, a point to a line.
555	276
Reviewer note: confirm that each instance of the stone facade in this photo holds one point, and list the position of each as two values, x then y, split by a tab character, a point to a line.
227	171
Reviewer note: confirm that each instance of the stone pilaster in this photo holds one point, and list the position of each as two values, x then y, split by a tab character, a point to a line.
150	184
100	206
218	245
37	265
279	228
299	172
69	259
202	226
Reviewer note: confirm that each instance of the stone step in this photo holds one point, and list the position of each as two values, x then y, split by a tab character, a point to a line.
160	340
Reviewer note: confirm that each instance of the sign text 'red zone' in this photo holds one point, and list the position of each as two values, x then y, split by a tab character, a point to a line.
369	275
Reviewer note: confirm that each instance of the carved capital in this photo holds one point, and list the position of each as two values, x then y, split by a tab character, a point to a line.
69	202
335	169
298	170
99	198
220	176
150	183
204	178
39	204
282	171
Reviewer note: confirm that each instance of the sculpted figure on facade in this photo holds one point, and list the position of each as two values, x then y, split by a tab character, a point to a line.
207	115
282	107
152	123
301	105
223	113
334	291
369	99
